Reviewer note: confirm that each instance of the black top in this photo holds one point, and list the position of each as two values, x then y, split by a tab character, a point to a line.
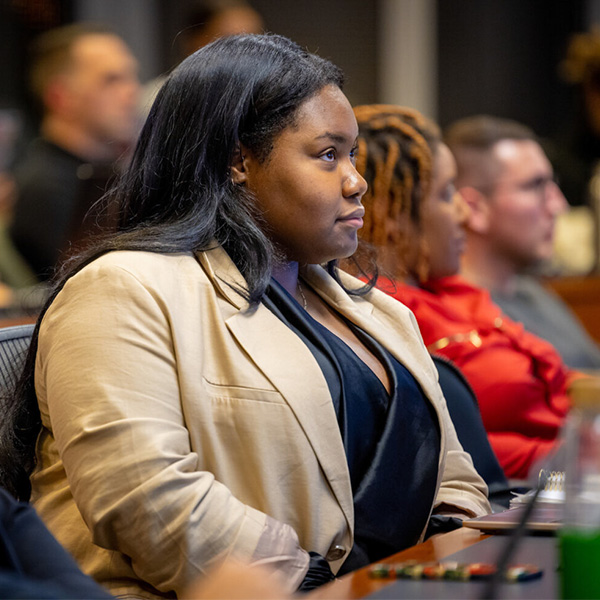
392	441
56	191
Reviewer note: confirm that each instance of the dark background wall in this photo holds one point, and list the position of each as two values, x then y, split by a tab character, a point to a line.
500	57
344	31
494	56
20	22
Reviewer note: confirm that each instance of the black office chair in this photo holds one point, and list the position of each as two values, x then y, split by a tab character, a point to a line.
14	343
464	412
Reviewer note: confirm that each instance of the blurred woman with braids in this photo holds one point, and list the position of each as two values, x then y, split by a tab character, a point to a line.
415	217
205	387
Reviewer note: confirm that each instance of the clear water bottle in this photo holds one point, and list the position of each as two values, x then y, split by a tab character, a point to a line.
580	534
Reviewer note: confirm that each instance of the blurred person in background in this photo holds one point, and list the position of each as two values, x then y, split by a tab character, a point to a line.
415	219
85	79
205	22
19	294
508	182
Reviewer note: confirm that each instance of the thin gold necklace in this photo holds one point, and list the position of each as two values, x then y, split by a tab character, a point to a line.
304	302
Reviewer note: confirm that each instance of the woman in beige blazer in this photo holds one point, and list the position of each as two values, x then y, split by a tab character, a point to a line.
188	409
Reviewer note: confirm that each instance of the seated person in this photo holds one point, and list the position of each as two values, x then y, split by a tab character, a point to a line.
204	22
84	78
205	387
508	183
415	218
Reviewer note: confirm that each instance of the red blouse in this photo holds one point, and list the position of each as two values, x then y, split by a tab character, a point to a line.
519	379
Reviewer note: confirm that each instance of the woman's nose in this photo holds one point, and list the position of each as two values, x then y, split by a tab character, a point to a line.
354	184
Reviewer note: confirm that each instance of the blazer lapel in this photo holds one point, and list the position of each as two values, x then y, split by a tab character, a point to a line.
380	316
312	403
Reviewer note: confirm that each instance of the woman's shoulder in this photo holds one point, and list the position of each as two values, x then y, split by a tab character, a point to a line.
130	284
139	260
151	268
120	276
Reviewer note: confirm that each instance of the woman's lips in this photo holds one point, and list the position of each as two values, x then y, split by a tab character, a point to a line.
355	218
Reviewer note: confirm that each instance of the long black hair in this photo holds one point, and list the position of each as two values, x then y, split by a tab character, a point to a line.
177	194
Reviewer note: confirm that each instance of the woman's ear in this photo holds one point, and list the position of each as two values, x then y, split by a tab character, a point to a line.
478	220
238	171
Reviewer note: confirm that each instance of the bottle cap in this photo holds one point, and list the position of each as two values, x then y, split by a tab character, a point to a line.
585	392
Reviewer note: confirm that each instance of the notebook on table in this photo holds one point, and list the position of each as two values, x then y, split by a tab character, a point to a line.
545	517
547	513
553	489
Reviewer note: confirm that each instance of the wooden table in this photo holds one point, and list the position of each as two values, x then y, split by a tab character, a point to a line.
358	584
20	320
582	295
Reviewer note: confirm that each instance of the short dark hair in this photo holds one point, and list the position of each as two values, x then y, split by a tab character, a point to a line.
481	132
50	53
472	142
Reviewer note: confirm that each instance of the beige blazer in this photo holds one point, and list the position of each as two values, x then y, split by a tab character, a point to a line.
175	421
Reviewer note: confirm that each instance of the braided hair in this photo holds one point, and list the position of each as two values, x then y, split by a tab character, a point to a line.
396	150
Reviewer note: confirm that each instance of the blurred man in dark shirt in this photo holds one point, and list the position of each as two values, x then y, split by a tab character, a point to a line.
85	79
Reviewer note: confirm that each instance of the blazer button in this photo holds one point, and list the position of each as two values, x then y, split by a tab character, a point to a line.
336	552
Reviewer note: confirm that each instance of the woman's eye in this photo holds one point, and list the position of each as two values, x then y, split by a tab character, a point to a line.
329	155
449	192
353	154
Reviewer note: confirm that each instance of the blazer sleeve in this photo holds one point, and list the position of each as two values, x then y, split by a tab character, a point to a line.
107	368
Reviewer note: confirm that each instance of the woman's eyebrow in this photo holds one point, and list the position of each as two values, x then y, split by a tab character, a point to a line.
334	137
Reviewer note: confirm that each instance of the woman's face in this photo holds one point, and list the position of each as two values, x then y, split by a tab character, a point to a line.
444	214
308	189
